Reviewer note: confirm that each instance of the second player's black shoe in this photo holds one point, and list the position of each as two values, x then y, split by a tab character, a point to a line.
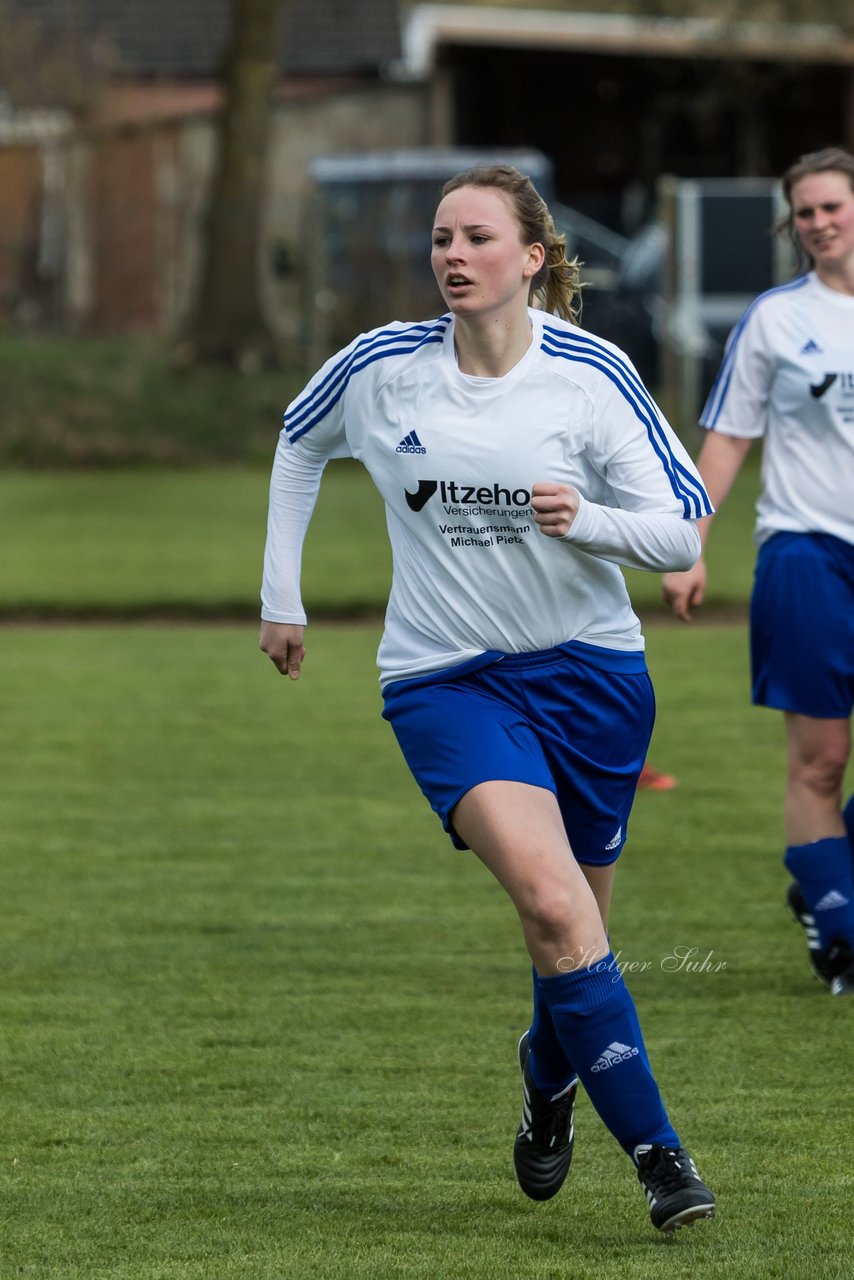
675	1192
819	958
840	959
543	1148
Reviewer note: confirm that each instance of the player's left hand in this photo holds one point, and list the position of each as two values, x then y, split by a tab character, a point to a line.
555	507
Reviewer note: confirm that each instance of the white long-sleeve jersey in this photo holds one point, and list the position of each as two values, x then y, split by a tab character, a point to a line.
788	376
455	458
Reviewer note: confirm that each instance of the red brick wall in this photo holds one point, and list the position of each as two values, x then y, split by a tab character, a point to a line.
123	232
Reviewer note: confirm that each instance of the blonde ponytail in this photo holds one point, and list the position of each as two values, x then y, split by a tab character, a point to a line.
559	292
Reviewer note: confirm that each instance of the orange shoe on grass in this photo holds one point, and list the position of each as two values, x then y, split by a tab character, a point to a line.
651	780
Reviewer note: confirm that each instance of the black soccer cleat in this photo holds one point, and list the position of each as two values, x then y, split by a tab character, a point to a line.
542	1151
840	960
834	965
675	1192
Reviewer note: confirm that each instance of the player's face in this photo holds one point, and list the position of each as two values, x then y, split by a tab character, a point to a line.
823	213
478	259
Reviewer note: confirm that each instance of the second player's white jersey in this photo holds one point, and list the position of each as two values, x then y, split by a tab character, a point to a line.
788	375
455	459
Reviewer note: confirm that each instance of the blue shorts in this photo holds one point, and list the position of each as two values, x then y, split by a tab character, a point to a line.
575	720
802	625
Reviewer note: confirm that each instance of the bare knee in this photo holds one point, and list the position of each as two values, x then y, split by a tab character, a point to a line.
561	922
820	771
818	755
550	914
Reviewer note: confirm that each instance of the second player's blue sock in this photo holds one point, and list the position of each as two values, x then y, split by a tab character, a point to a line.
551	1070
825	875
594	1018
848	819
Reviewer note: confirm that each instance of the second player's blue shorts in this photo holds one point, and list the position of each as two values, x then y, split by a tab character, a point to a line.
575	720
802	625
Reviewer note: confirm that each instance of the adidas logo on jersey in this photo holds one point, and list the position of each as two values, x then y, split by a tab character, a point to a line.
810	348
833	898
410	444
613	1055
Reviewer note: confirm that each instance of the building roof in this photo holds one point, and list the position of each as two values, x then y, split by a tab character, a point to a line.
429	27
187	37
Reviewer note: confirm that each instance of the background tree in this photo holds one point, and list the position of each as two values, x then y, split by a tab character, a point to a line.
227	323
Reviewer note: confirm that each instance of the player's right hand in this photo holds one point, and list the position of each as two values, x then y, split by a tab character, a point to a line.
685	592
282	643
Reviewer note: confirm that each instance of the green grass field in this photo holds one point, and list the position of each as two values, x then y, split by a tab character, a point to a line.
259	1020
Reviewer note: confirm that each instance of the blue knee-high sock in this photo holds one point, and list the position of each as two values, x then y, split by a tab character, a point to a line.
848	819
550	1068
594	1018
825	874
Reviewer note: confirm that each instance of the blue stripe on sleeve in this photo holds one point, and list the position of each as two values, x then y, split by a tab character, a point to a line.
584	349
308	409
717	396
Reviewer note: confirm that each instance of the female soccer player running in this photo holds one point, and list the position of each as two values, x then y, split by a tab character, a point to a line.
521	461
788	377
